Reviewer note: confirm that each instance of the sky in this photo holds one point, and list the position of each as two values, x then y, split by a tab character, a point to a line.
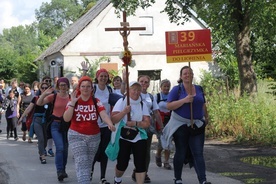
18	12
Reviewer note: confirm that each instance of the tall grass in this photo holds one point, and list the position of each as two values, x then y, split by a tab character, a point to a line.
242	119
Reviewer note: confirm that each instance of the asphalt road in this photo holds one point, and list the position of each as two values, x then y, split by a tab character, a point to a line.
20	164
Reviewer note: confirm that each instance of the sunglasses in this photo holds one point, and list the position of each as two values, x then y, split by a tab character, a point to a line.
48	80
44	87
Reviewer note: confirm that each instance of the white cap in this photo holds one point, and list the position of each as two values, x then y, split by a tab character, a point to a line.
133	83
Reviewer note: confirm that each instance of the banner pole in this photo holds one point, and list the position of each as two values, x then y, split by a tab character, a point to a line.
190	93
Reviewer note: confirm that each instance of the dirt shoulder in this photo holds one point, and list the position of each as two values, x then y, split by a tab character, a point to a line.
225	158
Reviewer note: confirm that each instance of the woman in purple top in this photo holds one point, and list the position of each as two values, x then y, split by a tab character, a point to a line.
11	106
179	100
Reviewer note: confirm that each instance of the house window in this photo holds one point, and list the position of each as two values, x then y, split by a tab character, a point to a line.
146	21
155	76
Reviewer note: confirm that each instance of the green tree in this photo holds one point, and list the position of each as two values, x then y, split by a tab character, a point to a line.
22	39
8	58
230	20
21	45
264	39
88	4
19	50
54	17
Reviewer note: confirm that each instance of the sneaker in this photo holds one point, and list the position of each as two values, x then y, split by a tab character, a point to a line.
116	182
51	153
167	166
65	175
147	179
103	181
60	176
177	181
42	160
16	138
158	161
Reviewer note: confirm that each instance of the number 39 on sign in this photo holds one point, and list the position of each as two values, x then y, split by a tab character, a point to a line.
186	46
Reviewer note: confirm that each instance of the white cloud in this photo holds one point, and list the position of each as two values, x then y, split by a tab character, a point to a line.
18	12
6	18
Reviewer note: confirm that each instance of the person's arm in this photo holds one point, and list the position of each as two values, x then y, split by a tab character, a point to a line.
145	123
178	103
26	112
85	67
68	114
158	118
18	105
107	120
117	116
156	112
42	100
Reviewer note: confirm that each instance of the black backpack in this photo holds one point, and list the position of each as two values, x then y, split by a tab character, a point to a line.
158	95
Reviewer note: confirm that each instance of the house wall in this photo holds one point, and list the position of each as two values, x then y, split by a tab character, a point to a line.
94	42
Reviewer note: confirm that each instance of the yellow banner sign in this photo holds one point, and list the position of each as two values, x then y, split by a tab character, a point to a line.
187	46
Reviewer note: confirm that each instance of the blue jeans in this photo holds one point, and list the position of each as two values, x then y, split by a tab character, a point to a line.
61	143
183	139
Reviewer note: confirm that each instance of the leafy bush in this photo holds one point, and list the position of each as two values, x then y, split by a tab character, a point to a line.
242	119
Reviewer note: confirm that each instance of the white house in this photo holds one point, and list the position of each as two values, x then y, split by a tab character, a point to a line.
87	38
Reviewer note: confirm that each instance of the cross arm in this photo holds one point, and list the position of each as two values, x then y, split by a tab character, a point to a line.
126	29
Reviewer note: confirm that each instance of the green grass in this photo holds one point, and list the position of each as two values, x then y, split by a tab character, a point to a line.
242	119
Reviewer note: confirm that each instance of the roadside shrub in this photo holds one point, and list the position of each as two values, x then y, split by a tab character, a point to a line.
242	119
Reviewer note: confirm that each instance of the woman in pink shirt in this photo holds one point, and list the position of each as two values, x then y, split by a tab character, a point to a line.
84	134
59	101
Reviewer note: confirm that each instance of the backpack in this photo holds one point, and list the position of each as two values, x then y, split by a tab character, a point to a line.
166	117
158	95
64	126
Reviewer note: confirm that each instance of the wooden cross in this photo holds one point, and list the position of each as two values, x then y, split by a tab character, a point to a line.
125	31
